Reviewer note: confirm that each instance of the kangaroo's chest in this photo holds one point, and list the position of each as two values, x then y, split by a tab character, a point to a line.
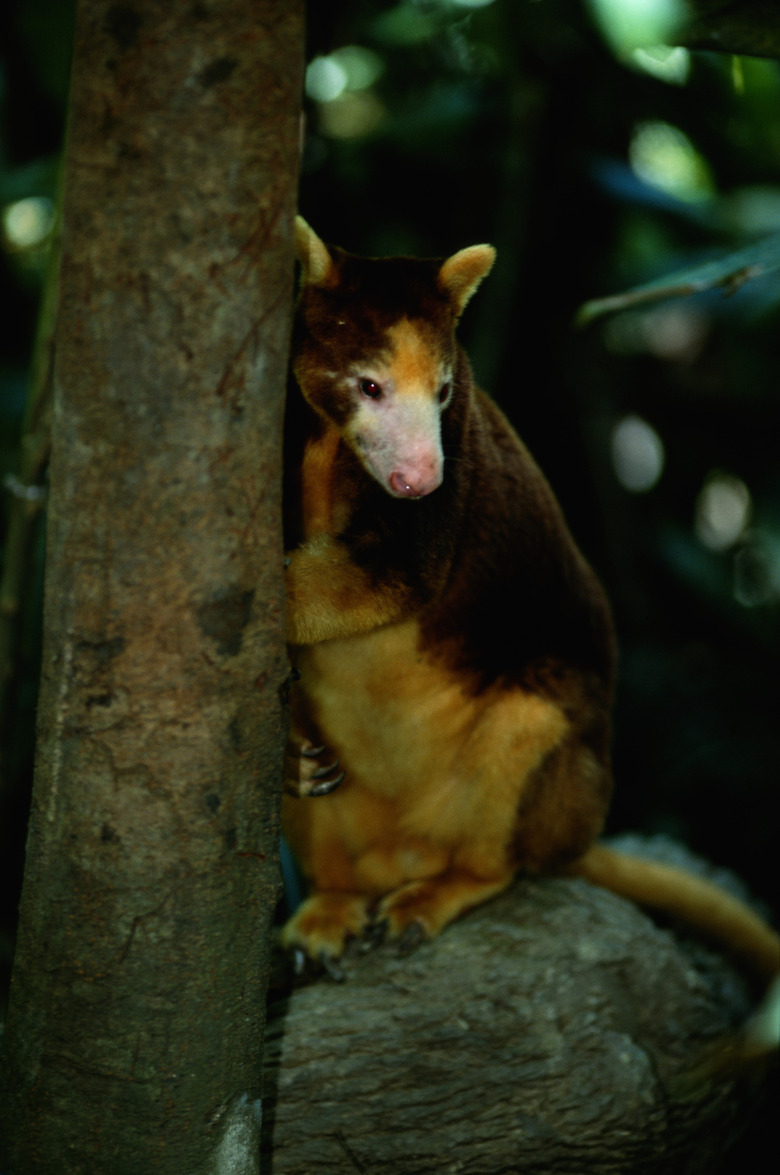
410	731
384	706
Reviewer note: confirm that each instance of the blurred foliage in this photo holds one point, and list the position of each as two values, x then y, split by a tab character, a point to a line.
35	46
433	124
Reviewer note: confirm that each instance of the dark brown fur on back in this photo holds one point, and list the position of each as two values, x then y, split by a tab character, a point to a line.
492	540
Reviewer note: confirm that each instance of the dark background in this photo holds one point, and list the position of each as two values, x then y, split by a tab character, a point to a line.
517	123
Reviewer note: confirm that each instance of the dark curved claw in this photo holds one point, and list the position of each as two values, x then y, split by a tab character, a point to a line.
307	969
411	939
310	780
331	967
375	934
311	752
323	772
327	785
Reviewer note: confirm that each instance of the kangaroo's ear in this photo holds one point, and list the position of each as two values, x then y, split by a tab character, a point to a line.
316	262
460	274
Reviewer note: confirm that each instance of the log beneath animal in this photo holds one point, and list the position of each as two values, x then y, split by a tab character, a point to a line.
553	1030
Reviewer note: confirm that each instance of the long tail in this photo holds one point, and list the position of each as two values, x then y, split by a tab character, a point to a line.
723	919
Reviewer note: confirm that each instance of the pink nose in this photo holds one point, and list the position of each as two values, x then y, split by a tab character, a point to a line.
414	485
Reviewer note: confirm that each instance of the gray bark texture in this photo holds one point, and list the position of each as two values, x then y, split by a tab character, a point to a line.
137	1003
554	1031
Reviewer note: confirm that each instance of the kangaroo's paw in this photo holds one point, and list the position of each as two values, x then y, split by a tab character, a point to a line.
420	910
321	926
310	770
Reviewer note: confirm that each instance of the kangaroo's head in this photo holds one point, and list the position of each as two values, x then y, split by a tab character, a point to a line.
375	356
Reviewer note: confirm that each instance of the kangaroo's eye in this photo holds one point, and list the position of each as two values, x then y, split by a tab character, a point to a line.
370	389
444	393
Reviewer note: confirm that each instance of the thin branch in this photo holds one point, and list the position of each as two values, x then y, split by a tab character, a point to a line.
727	273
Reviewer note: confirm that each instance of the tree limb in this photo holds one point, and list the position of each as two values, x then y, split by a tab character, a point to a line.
552	1030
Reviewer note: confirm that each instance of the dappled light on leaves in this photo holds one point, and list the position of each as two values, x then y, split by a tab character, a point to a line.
724	524
723	510
637	454
411	22
351	116
757	571
663	156
27	223
754	209
676	332
669	63
340	83
352	68
326	79
628	24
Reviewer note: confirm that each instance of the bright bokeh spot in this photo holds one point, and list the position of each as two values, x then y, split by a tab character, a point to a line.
676	332
326	79
661	155
28	222
341	84
723	511
757	571
629	24
351	116
351	68
669	63
362	66
637	454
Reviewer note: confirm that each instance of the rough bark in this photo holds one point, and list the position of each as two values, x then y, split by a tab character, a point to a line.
134	1033
554	1030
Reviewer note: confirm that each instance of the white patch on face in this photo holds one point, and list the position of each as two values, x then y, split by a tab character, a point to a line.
399	442
396	428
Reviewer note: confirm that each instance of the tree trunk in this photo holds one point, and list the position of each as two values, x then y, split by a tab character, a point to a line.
134	1033
553	1031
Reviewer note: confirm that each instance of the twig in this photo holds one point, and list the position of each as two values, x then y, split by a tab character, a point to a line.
728	273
